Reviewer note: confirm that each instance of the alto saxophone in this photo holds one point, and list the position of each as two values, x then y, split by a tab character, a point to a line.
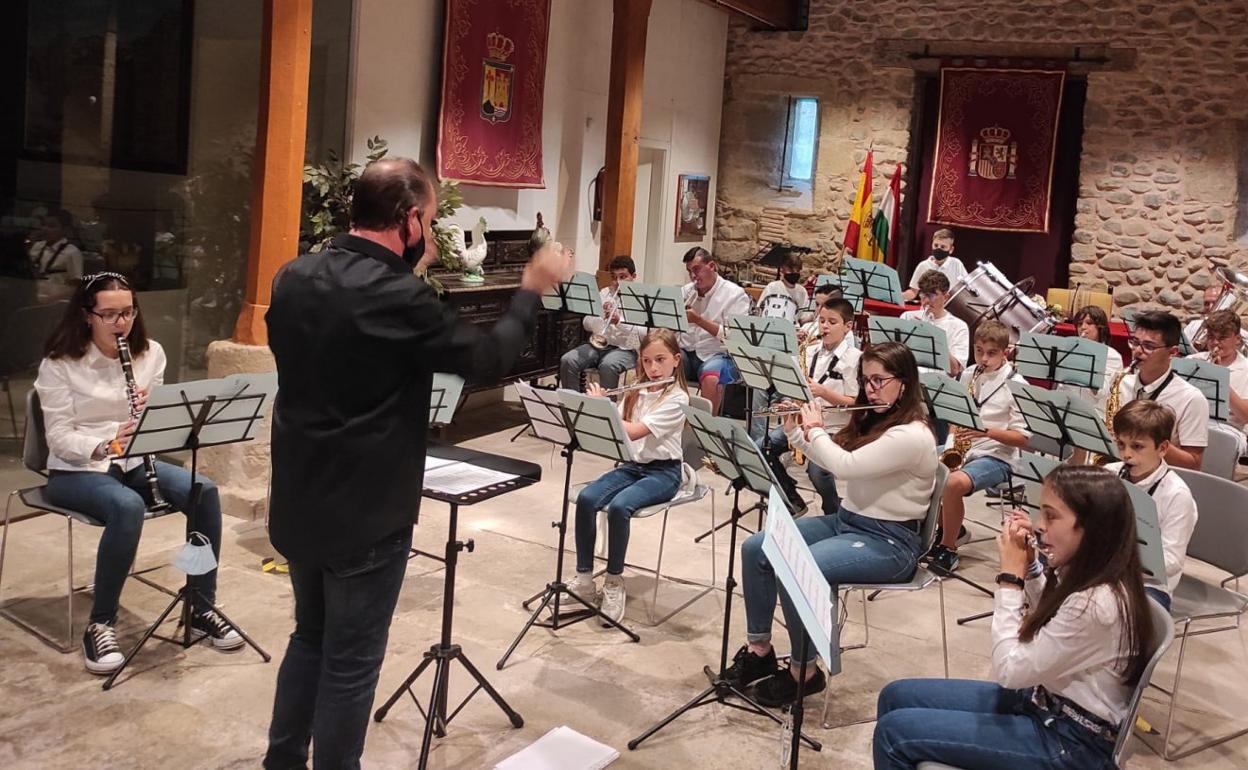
799	457
953	457
1112	403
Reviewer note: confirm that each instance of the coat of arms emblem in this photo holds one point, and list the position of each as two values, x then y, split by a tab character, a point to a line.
497	77
993	155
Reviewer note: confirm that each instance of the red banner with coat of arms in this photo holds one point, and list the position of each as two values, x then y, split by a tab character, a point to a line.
995	141
493	75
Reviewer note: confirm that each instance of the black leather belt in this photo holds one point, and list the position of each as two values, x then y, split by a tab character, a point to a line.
1056	704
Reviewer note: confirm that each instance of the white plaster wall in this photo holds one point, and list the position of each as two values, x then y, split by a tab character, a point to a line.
397	77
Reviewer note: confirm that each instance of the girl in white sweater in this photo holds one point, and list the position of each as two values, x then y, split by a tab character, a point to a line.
886	458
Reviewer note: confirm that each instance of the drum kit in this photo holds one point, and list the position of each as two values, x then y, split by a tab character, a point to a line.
985	292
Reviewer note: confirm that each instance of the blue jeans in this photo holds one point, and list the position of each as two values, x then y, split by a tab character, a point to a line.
978	726
986	472
848	548
327	680
620	492
611	364
1159	596
120	500
718	364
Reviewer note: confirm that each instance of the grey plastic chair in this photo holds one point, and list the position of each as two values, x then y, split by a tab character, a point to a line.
922	578
1162	637
1221	455
35	458
1221	540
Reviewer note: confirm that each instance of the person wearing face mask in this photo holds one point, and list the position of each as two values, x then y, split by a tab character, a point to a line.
941	259
357	338
789	284
1069	644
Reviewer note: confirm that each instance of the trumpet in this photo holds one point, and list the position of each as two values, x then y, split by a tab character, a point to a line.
638	385
781	411
598	339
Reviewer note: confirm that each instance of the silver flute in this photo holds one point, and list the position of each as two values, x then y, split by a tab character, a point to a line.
782	411
637	386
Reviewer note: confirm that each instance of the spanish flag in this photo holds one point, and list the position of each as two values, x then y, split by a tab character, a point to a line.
858	232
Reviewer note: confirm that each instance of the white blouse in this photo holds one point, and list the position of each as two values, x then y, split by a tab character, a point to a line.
84	403
661	413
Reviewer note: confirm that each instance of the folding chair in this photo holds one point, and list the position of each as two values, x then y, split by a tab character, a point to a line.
921	579
1163	635
1222	453
35	458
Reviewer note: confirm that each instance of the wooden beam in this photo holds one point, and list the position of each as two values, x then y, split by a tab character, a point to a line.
628	65
774	14
277	171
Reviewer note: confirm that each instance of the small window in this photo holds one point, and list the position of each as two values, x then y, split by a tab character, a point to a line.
802	142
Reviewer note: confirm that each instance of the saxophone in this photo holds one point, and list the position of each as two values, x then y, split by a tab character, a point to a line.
1112	403
799	457
953	457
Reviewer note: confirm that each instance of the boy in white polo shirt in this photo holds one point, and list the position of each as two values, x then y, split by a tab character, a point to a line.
941	260
1223	339
934	293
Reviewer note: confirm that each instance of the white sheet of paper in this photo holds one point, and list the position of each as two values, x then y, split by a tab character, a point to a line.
433	463
561	749
458	478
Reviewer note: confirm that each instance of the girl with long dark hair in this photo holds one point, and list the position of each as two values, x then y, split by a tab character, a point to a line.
1064	669
83	395
886	457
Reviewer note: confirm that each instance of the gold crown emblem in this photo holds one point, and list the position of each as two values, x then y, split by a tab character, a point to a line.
995	135
499	46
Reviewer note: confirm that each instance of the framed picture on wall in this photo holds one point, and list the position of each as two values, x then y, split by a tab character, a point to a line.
693	192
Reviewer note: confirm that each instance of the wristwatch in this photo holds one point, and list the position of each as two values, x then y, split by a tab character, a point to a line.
1011	578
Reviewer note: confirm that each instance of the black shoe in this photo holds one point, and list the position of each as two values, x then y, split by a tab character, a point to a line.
780	689
221	634
100	653
944	561
936	546
747	668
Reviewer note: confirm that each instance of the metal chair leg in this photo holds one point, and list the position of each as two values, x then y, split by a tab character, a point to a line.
944	634
69	581
658	570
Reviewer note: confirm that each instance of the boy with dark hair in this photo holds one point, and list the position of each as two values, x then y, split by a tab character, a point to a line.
934	293
612	345
1224	347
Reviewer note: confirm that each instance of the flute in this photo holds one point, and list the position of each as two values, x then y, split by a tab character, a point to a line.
636	385
781	411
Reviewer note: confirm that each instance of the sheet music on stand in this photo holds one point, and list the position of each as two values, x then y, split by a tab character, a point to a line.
1031	470
1063	417
1068	360
763	332
578	295
596	424
834	279
653	306
237	399
444	397
872	280
763	368
545	411
926	341
460	477
1147	532
1209	378
948	400
735	454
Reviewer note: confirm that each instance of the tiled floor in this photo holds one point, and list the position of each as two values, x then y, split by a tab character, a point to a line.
199	708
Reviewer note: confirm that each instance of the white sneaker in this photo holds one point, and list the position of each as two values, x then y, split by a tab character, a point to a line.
583	586
613	597
220	633
100	653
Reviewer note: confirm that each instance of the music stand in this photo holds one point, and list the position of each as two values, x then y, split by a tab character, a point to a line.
444	398
519	474
871	280
1209	378
763	332
1067	360
948	401
834	280
578	295
737	458
191	416
653	306
928	342
1148	534
550	421
1064	418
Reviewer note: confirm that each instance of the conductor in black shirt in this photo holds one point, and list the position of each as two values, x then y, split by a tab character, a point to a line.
357	339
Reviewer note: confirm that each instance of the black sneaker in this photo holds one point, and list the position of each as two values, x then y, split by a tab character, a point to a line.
100	653
747	668
780	689
222	635
943	561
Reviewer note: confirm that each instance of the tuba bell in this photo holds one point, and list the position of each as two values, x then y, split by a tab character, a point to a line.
1234	297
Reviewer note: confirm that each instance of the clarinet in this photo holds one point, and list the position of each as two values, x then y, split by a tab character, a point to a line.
132	396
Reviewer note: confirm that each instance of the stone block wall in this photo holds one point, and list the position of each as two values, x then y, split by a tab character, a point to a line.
1162	190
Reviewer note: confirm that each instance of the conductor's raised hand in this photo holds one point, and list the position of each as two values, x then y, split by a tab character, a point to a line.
550	266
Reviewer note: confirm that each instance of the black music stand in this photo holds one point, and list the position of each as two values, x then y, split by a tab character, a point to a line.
191	416
737	457
444	399
577	295
865	279
653	306
1209	378
1063	418
1067	360
928	342
763	332
442	654
948	401
551	422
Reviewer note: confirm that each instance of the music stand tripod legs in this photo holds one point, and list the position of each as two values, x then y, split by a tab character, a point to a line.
551	595
441	655
721	689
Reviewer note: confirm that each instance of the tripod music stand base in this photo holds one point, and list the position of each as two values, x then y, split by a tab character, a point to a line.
185	595
436	718
560	620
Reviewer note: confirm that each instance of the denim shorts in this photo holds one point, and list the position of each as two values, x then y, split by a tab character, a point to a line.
718	364
987	472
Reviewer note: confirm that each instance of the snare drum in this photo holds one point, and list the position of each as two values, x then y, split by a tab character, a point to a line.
986	293
778	306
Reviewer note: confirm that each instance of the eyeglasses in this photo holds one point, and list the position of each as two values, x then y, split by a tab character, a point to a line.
1148	347
113	316
876	383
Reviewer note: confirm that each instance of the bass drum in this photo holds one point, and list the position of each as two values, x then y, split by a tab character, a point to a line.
986	293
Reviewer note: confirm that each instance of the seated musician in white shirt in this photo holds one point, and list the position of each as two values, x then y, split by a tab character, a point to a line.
1154	342
1225	347
709	300
787	285
612	348
1192	328
934	293
1091	323
941	259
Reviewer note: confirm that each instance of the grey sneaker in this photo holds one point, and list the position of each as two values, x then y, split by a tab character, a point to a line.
613	598
100	653
583	586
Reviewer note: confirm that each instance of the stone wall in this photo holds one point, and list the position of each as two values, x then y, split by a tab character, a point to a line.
1165	136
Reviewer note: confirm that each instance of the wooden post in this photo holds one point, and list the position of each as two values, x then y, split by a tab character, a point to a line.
628	64
277	173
